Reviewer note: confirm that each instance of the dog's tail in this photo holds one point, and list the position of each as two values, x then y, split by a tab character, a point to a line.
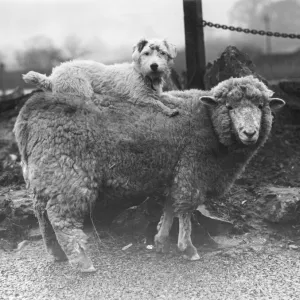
39	80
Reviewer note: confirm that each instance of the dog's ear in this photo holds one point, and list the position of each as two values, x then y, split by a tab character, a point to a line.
171	48
137	49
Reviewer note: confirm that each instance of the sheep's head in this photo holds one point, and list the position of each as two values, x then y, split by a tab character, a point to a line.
241	107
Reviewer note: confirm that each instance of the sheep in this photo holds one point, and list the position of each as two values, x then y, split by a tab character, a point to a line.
140	82
74	153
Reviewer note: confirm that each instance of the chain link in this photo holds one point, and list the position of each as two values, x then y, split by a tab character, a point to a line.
252	31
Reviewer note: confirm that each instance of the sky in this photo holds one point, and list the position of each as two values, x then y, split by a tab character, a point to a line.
107	27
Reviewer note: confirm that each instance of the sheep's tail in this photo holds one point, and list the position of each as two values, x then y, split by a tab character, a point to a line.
39	80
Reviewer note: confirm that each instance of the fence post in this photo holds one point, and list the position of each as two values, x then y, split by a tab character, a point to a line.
2	67
267	20
194	43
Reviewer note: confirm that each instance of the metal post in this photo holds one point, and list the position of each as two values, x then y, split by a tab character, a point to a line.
2	67
194	43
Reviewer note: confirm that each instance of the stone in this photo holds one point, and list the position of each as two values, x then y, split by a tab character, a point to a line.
22	203
231	63
213	224
5	207
16	214
34	234
234	63
280	204
3	231
10	169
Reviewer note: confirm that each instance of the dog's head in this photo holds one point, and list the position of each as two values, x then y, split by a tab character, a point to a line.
154	58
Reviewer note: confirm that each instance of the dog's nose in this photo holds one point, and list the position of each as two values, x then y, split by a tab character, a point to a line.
154	67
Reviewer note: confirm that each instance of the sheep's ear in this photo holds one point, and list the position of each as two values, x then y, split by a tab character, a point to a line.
137	49
276	103
171	49
207	100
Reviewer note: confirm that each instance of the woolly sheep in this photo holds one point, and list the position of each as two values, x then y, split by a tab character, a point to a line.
140	82
74	153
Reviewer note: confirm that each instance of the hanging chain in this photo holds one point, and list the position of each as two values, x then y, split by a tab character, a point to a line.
252	31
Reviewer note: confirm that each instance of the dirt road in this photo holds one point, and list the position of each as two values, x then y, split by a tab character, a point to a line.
256	269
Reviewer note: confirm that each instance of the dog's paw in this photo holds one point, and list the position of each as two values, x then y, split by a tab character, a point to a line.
173	112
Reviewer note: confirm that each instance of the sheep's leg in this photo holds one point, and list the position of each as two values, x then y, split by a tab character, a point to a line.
49	236
184	237
71	238
161	239
185	197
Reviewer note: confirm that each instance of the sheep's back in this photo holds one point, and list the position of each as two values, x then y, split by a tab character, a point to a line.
120	149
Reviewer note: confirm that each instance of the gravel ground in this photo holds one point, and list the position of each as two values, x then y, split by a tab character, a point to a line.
260	270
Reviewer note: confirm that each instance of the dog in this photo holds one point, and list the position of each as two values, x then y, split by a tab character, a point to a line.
140	81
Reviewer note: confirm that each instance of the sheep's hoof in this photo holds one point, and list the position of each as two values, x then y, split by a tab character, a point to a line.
83	263
190	253
162	244
60	258
191	258
91	269
57	253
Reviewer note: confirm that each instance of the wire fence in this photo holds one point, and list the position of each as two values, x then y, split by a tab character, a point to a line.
251	31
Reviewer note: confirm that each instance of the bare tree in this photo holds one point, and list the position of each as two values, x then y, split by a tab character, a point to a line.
73	47
284	16
40	53
245	12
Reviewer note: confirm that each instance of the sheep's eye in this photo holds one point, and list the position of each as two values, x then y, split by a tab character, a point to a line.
260	106
147	53
229	107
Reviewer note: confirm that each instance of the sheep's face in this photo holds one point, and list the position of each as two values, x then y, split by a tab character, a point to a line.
244	110
246	121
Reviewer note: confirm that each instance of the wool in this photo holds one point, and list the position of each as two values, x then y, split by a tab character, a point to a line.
139	82
74	153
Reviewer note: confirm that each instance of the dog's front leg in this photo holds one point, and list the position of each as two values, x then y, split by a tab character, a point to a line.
167	110
168	99
155	102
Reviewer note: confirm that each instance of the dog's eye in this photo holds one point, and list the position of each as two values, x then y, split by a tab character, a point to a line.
229	107
147	53
260	106
163	53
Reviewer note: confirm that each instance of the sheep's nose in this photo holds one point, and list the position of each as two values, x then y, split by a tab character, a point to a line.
249	134
154	67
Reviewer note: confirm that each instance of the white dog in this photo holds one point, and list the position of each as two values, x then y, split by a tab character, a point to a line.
140	81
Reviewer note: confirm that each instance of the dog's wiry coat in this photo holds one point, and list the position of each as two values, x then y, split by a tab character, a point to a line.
72	153
140	81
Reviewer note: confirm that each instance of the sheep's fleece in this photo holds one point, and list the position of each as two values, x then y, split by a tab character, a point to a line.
74	153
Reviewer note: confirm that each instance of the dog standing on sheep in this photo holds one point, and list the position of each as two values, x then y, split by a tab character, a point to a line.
140	82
